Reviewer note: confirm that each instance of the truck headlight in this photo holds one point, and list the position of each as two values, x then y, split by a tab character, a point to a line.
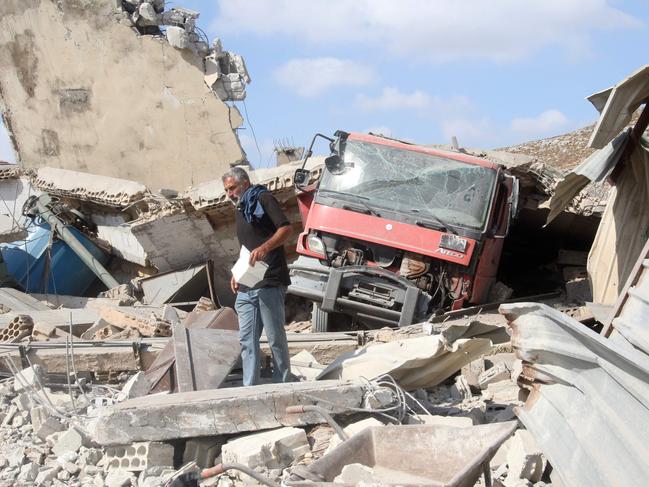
316	245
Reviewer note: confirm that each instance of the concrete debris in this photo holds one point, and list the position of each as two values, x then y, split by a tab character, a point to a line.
28	378
104	190
134	319
18	328
270	449
413	363
139	456
218	411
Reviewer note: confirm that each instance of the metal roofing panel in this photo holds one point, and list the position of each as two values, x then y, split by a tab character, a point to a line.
623	230
589	403
597	167
624	99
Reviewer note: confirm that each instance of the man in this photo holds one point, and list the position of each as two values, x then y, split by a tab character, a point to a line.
263	229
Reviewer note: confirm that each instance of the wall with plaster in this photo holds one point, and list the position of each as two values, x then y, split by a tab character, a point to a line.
81	89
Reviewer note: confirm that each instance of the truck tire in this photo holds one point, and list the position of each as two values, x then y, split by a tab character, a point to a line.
319	320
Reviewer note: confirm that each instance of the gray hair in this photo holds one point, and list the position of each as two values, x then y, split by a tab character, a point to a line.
238	173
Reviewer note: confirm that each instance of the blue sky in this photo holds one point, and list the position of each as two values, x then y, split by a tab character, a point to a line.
492	73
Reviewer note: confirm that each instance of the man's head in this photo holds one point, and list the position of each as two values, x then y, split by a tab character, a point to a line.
235	182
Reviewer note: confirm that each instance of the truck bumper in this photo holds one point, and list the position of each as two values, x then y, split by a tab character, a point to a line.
366	292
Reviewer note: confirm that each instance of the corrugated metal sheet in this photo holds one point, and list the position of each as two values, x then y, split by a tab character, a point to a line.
589	403
628	326
624	99
623	230
595	168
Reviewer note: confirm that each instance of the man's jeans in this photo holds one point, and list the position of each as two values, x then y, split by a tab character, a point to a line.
257	308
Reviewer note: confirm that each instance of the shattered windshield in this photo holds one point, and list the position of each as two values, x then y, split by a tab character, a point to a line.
428	186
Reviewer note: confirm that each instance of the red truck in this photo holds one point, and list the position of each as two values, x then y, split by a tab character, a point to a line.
395	232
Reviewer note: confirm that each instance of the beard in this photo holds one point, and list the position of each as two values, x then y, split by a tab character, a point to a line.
234	200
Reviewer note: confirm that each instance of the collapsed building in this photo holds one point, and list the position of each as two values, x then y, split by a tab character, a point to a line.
119	352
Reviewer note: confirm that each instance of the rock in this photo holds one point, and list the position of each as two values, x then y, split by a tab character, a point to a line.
354	474
177	37
28	473
525	459
271	449
47	475
472	371
23	402
64	475
503	392
90	456
120	478
497	373
351	430
16	457
28	378
9	417
48	427
148	14
70	441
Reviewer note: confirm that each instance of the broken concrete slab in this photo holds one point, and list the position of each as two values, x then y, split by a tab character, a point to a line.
140	320
270	449
494	374
219	411
305	366
70	441
414	363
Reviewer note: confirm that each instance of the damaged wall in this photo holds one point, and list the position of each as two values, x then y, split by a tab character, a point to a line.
81	89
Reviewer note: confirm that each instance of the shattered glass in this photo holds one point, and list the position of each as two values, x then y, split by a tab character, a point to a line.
428	186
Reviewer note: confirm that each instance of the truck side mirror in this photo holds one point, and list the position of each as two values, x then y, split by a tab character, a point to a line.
301	178
335	164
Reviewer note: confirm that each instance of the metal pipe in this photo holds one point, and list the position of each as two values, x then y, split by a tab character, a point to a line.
68	237
324	413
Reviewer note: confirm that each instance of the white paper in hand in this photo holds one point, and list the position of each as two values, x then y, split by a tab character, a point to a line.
244	273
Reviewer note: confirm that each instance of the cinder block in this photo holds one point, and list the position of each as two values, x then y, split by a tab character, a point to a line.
525	459
139	456
271	449
203	450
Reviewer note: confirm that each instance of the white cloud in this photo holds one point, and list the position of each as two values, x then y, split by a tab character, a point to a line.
545	123
6	151
433	30
392	99
309	77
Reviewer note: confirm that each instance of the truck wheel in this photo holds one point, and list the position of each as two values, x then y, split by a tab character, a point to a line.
319	320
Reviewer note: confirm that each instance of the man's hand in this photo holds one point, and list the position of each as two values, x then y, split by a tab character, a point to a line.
234	285
258	254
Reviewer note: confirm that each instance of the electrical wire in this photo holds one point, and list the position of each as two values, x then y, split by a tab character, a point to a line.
254	137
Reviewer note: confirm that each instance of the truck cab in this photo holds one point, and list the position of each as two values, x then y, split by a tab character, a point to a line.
396	232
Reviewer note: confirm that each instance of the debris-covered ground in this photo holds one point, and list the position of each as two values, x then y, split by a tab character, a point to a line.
119	348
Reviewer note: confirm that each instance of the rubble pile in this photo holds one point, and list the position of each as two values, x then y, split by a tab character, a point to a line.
225	72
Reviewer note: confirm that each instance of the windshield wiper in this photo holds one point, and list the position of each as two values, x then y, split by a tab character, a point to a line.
367	209
438	224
